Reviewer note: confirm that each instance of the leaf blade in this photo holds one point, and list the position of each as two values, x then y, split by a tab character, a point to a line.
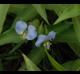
54	63
30	66
73	65
3	13
41	10
68	12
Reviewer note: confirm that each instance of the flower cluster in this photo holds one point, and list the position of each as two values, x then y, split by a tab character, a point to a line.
21	27
43	38
31	33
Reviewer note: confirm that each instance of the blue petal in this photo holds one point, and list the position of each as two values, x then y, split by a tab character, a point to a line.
31	27
32	34
40	40
51	35
20	27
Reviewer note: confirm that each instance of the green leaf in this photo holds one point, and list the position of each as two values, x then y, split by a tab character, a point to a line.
73	65
30	66
26	15
61	27
41	29
22	68
18	8
69	12
58	8
36	23
12	57
76	25
67	36
65	32
6	56
75	47
9	36
36	55
3	13
41	10
46	31
54	63
16	47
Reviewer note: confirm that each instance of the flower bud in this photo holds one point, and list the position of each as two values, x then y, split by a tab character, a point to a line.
47	45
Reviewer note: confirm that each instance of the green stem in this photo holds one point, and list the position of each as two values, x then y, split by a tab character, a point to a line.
16	47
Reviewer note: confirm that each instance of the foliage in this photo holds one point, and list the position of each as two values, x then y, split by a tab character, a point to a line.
67	28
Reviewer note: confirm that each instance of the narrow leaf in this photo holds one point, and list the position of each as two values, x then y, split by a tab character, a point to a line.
58	8
26	15
18	8
41	10
9	36
69	12
3	13
54	63
61	27
75	47
67	36
36	55
76	24
30	66
73	65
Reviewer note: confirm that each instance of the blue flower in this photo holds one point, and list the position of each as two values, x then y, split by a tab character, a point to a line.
43	38
40	40
20	27
31	34
51	35
31	27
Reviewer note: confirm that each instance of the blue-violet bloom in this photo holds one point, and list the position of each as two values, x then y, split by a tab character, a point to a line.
43	38
31	34
51	35
40	40
20	27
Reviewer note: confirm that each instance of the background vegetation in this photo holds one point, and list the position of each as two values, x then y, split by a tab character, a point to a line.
17	54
